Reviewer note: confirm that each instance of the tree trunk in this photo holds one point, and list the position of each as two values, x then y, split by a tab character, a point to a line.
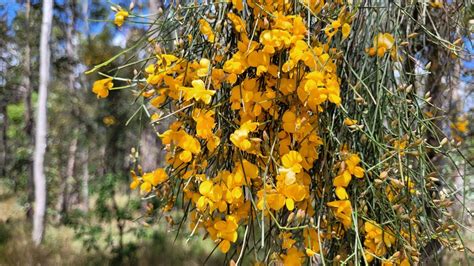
4	152
70	47
65	186
29	122
149	149
85	180
41	129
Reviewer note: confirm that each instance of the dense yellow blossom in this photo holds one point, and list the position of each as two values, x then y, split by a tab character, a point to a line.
261	137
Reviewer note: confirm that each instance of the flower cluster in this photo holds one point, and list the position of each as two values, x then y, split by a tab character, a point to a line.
251	148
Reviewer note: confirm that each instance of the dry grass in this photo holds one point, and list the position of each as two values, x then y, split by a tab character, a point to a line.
61	247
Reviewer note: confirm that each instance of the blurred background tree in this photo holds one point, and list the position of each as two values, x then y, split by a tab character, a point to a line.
92	144
88	157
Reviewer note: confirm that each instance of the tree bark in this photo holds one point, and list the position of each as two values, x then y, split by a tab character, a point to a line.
4	152
149	149
41	129
70	47
85	180
65	186
29	122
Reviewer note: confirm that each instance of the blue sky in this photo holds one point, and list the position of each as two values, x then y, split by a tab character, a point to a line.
11	7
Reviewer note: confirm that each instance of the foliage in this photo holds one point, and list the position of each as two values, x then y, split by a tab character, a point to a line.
299	130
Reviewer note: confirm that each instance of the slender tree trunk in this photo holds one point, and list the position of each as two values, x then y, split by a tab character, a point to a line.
85	152
149	149
85	180
29	122
41	129
65	195
70	47
4	147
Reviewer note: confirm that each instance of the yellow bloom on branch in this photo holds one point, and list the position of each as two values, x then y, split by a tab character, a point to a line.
240	137
382	43
101	87
198	92
206	30
120	17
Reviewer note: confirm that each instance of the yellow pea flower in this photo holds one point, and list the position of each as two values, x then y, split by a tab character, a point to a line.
382	43
227	232
352	166
350	122
156	177
240	136
343	211
461	125
311	241
436	3
101	87
343	179
287	241
341	193
293	257
292	161
238	4
198	92
239	24
135	181
206	30
260	60
203	69
204	123
346	30
120	17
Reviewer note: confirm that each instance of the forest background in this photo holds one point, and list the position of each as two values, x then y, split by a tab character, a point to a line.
92	216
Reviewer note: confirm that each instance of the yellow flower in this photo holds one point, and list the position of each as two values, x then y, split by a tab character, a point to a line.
239	24
206	29
203	69
135	181
238	4
343	179
315	5
240	137
311	241
153	179
274	39
101	87
346	30
377	240
260	60
332	29
293	257
292	161
352	166
204	123
287	241
341	193
198	92
227	232
350	122
343	211
382	43
120	17
461	125
188	143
